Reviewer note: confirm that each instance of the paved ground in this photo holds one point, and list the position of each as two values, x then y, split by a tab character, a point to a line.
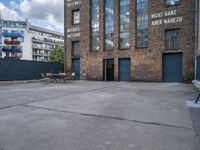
96	116
195	113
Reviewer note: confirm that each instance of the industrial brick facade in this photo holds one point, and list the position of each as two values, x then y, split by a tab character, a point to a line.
146	63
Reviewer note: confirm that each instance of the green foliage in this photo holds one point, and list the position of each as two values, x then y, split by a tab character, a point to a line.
57	55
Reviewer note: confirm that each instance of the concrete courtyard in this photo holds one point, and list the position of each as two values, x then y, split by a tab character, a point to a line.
87	115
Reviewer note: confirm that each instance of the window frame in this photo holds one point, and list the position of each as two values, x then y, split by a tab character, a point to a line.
168	5
119	27
105	34
73	16
166	48
136	28
91	29
72	49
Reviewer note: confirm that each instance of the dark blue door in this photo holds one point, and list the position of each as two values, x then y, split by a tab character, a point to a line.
108	70
198	68
172	68
124	70
76	68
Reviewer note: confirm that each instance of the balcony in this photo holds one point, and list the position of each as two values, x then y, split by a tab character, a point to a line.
42	48
12	50
38	54
12	42
13	35
46	54
47	41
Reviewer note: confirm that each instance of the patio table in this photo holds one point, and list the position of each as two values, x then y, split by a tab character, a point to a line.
58	76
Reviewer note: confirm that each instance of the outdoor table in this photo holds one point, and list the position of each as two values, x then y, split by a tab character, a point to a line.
58	76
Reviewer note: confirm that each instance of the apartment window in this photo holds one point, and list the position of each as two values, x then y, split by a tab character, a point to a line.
14	31
172	38
109	24
22	38
142	24
94	25
124	23
76	48
172	2
76	17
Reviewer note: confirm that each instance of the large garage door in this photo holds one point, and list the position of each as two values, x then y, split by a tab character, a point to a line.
172	67
76	68
124	70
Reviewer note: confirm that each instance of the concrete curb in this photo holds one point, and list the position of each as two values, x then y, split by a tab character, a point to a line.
2	83
191	104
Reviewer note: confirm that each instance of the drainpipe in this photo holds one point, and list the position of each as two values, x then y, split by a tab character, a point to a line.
65	42
105	70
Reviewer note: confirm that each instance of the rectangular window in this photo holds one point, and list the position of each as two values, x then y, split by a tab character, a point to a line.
14	31
124	23
142	24
109	24
76	49
94	25
172	2
172	38
76	17
22	38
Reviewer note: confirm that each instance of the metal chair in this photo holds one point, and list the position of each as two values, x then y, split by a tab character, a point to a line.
73	75
69	78
44	78
197	88
49	75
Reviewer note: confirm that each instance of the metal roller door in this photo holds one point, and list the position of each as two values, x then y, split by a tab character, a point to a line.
76	68
198	68
172	67
124	70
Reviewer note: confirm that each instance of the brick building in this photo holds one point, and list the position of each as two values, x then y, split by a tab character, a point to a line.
130	40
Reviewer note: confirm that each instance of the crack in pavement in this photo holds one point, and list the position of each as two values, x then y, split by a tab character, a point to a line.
88	114
108	117
56	97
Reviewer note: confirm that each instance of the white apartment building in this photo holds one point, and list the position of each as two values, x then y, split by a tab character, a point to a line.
21	40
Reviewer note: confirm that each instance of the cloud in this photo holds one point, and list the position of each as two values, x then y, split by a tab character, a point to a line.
51	11
9	14
14	5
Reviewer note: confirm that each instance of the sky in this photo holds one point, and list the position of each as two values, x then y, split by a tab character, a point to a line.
44	13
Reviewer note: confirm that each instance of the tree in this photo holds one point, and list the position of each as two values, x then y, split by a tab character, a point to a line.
57	55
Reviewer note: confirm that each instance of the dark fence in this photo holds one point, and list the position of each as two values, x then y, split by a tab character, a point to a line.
198	68
26	70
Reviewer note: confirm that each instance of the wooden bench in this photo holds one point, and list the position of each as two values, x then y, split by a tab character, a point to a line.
197	86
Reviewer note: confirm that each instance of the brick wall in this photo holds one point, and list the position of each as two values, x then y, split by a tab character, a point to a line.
146	63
